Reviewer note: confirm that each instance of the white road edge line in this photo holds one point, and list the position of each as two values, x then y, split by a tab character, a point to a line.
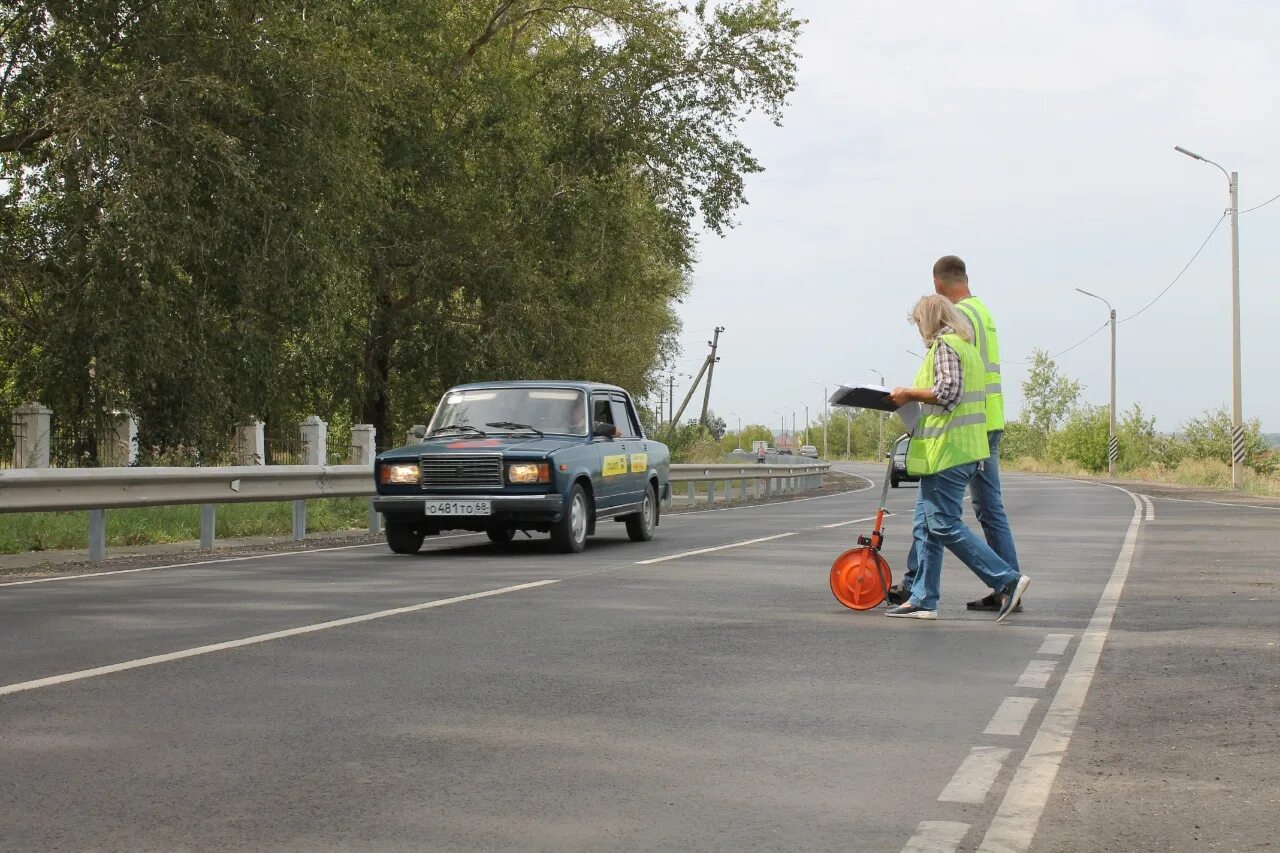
258	638
975	776
1054	644
936	836
774	504
1037	674
1011	716
1018	816
1219	503
1150	507
216	561
709	550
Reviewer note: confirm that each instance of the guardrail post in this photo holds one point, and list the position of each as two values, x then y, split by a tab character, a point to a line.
208	526
742	489
97	535
711	492
693	493
768	487
251	443
118	442
299	520
31	436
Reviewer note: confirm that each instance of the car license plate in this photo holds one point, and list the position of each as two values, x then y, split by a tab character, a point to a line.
459	508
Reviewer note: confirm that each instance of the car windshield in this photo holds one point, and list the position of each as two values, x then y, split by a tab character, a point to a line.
562	411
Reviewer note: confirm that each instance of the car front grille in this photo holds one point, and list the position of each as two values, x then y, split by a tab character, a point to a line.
467	470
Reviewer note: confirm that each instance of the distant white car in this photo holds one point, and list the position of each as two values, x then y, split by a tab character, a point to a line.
809	450
737	451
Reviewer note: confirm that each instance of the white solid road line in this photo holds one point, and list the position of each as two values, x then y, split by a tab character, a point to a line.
1037	674
1219	503
976	775
1011	716
1054	644
854	521
259	638
773	504
1019	814
709	550
1150	507
936	836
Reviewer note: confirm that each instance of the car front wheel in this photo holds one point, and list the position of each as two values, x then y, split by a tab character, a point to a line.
640	526
569	534
404	538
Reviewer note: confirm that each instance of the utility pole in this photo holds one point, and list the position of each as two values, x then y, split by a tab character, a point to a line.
661	404
671	396
1237	416
1113	437
806	423
711	362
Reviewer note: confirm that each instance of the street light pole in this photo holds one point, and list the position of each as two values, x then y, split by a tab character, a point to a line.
1237	417
739	417
1113	440
880	440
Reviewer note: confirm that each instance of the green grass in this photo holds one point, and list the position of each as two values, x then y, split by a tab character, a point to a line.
50	531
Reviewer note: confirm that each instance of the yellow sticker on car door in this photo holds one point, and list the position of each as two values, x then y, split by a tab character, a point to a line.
639	463
614	465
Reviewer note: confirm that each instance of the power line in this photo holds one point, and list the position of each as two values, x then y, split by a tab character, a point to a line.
1264	204
1080	342
1213	231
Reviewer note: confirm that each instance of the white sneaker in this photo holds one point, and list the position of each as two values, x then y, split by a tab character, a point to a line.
910	611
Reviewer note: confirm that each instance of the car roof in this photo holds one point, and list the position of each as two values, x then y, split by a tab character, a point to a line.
541	383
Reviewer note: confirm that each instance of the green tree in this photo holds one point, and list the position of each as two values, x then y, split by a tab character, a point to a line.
1083	438
1047	395
1209	437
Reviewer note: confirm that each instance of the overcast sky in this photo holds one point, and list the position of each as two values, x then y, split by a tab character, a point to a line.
1035	140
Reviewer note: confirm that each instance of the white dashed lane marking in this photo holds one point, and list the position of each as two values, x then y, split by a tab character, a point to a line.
1037	674
1055	644
1011	716
936	836
976	775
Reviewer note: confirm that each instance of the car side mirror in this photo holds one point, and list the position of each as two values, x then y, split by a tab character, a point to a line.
419	431
603	430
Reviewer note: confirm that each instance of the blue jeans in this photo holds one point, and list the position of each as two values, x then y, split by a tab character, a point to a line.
988	505
942	501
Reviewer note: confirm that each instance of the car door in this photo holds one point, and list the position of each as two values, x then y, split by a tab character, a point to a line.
613	462
635	448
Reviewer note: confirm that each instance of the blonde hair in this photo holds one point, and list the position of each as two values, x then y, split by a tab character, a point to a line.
934	315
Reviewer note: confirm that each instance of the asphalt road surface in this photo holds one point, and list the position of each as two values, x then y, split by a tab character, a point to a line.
703	691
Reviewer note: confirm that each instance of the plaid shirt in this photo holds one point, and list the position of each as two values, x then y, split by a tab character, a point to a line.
948	378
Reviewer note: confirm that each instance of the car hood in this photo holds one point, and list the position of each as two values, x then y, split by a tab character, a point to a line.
530	444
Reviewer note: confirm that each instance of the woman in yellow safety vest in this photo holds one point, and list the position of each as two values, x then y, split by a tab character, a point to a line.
947	445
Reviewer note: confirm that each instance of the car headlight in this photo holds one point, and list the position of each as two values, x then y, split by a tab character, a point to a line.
529	472
402	473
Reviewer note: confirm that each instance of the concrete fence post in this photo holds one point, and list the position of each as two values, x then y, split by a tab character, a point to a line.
251	443
118	443
31	436
363	444
315	441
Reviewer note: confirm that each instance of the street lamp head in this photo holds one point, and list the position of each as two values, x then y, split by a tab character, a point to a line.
1190	154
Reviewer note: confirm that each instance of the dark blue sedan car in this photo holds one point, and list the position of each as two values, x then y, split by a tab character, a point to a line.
498	457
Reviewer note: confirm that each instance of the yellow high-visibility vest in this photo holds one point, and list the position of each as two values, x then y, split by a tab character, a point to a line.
942	439
984	338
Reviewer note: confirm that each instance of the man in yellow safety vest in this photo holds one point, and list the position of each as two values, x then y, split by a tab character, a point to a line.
951	279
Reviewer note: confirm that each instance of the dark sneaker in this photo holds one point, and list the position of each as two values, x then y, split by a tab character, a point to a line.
992	603
898	595
910	611
1012	595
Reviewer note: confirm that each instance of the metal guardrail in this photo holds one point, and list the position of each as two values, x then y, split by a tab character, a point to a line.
99	489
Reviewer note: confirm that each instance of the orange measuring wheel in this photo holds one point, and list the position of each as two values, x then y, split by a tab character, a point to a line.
860	578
